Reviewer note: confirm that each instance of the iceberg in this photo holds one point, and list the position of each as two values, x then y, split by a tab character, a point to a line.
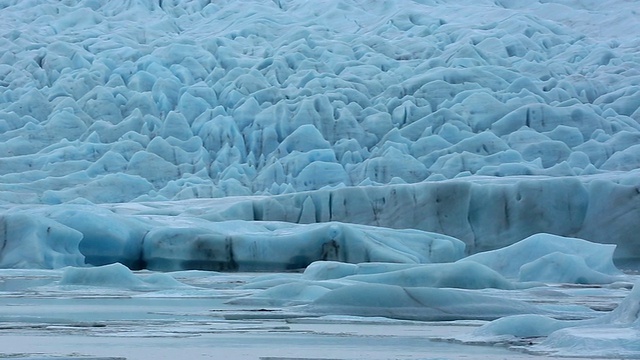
610	334
463	275
116	276
415	303
545	257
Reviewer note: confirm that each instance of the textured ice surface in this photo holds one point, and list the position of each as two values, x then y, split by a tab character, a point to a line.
71	235
269	135
523	326
44	319
613	334
211	99
545	257
465	275
609	335
348	100
116	276
245	246
415	303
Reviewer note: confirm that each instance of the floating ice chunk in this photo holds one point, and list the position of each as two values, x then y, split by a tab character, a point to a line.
113	275
448	275
117	276
606	335
523	326
613	335
593	341
268	281
559	267
628	311
416	303
540	256
291	293
445	275
162	281
326	270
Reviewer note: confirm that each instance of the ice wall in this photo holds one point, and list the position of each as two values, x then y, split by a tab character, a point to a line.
342	224
75	235
485	213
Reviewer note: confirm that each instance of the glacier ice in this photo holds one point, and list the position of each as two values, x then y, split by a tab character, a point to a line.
620	327
36	242
75	234
611	334
245	246
245	94
392	149
106	110
523	326
464	275
545	257
415	303
116	276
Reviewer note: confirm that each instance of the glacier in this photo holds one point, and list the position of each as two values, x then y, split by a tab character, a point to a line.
403	163
348	116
